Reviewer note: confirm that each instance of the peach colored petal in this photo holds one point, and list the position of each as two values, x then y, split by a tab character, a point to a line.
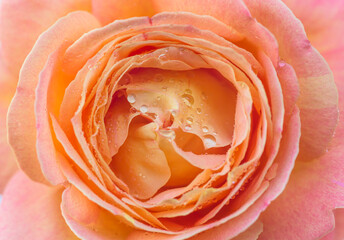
318	94
45	147
87	220
23	21
21	113
251	233
140	163
117	121
182	172
31	210
109	10
238	17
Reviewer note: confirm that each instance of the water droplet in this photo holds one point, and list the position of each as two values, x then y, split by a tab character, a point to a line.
131	98
187	127
158	98
126	79
189	120
132	110
281	63
171	80
159	77
209	141
199	111
204	96
167	133
163	57
188	100
205	129
188	91
173	112
164	89
143	109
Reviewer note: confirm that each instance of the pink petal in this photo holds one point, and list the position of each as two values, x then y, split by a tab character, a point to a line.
23	21
318	91
7	159
314	189
338	231
31	210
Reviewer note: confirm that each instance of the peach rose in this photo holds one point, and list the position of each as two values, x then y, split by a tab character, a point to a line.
174	119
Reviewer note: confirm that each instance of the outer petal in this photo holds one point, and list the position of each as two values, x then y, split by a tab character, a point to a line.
21	22
318	94
21	118
7	159
109	10
324	26
88	220
31	210
338	231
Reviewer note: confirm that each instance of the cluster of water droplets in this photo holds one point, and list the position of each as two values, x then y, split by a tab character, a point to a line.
188	100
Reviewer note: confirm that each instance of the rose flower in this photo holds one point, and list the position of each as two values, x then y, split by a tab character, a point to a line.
172	119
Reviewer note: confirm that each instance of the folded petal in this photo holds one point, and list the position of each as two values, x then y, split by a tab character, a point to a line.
21	22
140	163
30	210
87	220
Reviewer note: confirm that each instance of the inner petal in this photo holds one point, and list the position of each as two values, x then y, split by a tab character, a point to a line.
190	98
139	162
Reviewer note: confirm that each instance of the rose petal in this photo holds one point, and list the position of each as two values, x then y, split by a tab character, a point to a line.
87	220
31	210
238	17
21	113
109	10
140	163
23	21
7	160
318	91
314	185
338	231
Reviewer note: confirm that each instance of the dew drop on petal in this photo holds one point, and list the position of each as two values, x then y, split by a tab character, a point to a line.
143	109
199	111
188	99
189	120
173	112
131	98
167	133
205	129
188	91
209	141
159	77
187	128
281	64
163	57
